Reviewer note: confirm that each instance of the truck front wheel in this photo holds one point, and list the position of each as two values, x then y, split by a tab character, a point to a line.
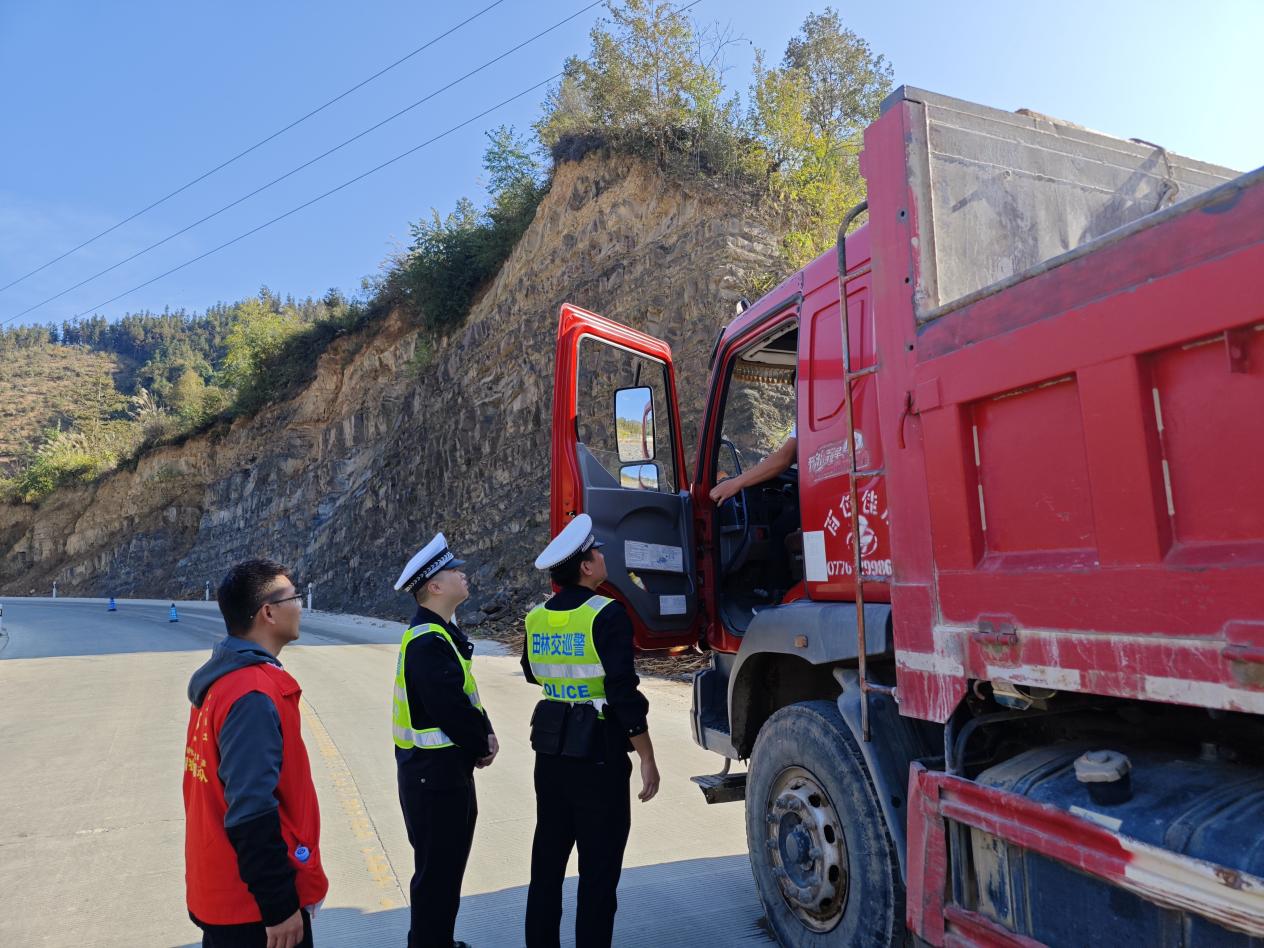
823	862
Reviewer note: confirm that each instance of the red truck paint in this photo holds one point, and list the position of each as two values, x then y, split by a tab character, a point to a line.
1071	493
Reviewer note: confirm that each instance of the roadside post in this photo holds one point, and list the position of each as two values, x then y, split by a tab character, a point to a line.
309	597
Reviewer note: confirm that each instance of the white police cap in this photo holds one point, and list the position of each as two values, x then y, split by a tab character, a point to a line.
431	558
576	537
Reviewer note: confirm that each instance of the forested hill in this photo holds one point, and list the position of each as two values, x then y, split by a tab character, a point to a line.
156	351
41	386
78	397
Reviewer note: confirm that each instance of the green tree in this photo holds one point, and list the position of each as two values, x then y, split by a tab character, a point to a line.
186	398
93	403
846	82
257	336
809	115
650	83
516	183
215	402
452	257
168	365
514	175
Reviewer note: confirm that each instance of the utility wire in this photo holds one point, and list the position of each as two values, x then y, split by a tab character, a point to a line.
261	142
345	184
306	164
321	197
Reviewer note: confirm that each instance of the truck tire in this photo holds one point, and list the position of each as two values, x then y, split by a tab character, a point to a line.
824	864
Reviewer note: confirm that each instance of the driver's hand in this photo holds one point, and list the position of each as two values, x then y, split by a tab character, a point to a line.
724	490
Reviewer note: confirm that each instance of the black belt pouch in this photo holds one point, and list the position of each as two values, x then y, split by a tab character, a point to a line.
548	722
580	738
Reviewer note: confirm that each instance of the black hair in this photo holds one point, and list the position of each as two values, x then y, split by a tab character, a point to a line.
421	592
240	594
566	573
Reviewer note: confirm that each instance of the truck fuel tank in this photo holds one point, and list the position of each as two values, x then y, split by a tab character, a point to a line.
1202	806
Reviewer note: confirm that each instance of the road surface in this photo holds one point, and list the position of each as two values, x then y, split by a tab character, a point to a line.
92	724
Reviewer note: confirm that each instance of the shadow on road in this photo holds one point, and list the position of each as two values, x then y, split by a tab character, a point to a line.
700	901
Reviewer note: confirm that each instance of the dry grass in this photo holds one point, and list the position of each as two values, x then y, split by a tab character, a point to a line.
35	388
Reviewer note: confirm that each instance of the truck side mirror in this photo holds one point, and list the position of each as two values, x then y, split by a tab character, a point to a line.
634	424
639	476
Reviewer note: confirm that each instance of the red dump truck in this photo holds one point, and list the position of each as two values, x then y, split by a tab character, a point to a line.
993	648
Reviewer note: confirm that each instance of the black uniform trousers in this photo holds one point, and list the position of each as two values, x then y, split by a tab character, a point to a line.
249	935
440	824
585	804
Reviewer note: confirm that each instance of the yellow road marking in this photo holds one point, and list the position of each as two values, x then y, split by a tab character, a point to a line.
379	866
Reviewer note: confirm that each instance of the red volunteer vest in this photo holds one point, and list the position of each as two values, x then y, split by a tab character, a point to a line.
214	889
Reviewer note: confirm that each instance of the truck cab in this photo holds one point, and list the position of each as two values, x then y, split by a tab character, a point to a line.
764	581
776	374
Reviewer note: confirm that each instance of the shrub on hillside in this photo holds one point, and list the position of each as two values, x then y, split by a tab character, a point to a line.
70	457
452	257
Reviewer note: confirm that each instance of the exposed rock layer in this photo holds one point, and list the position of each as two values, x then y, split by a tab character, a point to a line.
348	478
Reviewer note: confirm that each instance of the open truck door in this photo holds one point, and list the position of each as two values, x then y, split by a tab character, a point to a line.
618	456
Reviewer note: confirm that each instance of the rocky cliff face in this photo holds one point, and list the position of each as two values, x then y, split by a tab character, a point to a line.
346	480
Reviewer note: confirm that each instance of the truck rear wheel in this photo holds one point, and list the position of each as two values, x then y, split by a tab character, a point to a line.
824	864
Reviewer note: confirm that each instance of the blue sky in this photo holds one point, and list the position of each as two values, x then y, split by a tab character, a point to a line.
108	106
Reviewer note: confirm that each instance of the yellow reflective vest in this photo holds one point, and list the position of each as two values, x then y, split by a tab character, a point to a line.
563	655
429	738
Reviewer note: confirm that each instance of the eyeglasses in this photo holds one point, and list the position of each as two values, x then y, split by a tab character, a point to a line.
276	602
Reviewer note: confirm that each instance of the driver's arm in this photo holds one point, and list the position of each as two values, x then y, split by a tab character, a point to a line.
773	465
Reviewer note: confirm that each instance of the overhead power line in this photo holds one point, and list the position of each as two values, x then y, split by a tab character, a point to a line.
258	144
349	182
306	164
321	197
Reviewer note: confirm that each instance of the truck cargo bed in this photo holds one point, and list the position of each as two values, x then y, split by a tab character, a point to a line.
1079	501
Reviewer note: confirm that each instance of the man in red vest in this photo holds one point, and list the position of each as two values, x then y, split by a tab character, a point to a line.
253	874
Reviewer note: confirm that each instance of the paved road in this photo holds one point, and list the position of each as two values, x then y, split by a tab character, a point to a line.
92	720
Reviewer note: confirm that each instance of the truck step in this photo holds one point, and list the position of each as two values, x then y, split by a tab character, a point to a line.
722	788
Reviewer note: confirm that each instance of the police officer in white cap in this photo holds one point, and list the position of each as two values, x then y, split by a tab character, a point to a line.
441	735
579	649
